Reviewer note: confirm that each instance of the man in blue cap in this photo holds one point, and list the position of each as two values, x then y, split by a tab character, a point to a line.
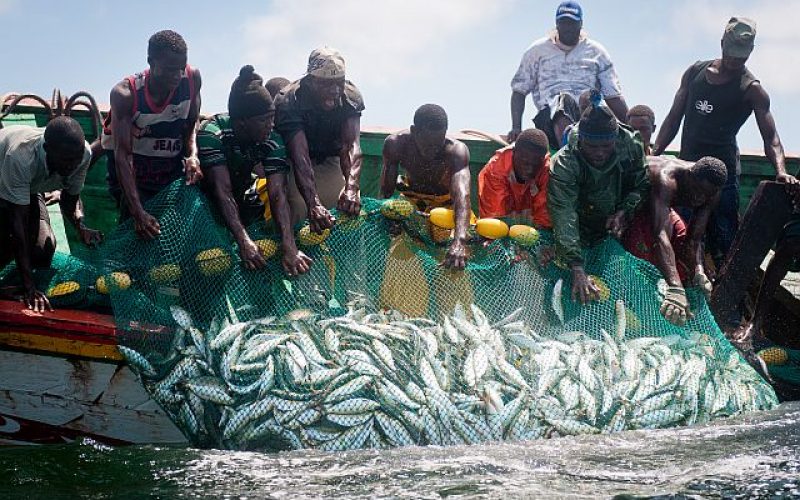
565	61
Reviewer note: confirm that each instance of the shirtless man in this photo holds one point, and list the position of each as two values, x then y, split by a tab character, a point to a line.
714	101
151	133
659	235
437	172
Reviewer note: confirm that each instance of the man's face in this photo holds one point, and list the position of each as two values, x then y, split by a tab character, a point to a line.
327	91
700	192
644	125
569	30
596	153
167	69
256	129
429	143
735	64
62	160
527	162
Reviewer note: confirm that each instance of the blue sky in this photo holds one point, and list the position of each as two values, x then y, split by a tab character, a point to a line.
460	54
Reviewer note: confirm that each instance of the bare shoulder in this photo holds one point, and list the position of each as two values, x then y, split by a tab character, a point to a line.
121	97
394	143
198	80
456	151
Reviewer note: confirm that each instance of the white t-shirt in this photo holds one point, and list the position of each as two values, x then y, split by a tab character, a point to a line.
547	69
23	166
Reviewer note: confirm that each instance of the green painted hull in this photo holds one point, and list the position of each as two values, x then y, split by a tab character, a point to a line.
101	210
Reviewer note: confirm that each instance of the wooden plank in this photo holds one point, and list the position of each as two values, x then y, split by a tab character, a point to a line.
769	210
59	346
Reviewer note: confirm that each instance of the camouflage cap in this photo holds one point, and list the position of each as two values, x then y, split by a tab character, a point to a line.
326	62
739	37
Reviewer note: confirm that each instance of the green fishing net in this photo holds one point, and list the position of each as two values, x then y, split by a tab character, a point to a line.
379	345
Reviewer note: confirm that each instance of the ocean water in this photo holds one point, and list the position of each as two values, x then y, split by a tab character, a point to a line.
754	456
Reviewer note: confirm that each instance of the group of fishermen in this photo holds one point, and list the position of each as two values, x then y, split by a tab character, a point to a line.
585	171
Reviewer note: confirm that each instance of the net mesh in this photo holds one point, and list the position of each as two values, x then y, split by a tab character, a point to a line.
378	345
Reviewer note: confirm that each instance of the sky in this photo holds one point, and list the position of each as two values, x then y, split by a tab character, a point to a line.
460	54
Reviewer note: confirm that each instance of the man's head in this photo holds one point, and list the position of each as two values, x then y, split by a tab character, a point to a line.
64	145
569	21
429	130
167	57
708	176
597	132
326	77
642	119
250	107
530	149
738	41
275	84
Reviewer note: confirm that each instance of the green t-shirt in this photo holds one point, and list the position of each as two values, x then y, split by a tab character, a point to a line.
217	145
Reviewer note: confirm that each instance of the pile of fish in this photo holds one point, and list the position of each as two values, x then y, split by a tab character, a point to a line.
380	379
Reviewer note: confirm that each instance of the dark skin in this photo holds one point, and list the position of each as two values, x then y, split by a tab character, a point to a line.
720	72
63	161
646	127
250	131
673	184
568	33
437	165
327	93
166	71
596	153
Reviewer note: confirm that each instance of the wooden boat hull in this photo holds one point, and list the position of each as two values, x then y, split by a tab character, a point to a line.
62	378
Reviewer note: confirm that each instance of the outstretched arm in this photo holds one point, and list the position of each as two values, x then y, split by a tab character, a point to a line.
294	261
459	192
20	240
619	107
191	163
72	210
391	166
350	159
122	129
517	110
318	216
662	231
219	179
773	149
672	122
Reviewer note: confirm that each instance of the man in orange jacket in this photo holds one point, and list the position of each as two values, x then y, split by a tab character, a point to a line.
514	182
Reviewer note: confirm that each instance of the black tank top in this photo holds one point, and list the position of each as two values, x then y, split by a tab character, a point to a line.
713	116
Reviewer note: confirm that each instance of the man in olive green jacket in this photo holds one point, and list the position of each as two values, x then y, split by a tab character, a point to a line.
596	182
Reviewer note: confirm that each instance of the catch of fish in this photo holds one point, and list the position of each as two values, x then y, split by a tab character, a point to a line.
380	379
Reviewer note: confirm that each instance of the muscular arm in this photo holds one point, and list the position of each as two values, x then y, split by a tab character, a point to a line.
662	229
294	262
459	192
672	122
619	107
697	231
517	110
122	130
773	149
71	209
391	165
192	164
350	159
319	217
219	180
21	242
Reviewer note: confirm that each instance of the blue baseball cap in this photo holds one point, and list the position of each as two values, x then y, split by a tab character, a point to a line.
570	10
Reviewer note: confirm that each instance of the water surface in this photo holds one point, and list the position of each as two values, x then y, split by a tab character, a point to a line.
751	456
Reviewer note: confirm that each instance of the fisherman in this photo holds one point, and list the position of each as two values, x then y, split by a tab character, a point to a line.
567	60
275	84
34	161
150	134
715	98
659	235
319	118
514	182
751	336
596	183
437	173
231	147
642	119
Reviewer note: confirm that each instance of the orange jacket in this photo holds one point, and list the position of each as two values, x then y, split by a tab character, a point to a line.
500	195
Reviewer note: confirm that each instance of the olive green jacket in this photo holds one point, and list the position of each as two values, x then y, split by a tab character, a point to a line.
580	198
